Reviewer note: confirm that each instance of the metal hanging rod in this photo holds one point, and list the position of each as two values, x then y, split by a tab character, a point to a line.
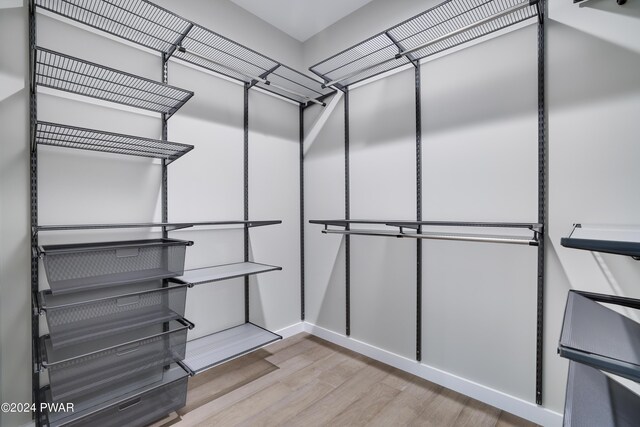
251	77
439	236
408	52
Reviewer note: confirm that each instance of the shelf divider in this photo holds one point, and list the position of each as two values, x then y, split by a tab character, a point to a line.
218	273
212	350
598	336
593	399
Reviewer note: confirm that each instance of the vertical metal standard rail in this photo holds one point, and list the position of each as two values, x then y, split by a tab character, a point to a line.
33	173
165	137
418	212
302	296
246	197
542	197
347	214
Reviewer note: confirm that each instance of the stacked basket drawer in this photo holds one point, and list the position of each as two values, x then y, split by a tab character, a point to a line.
116	331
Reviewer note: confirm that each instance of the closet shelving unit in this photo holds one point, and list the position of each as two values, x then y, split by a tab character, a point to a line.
106	339
596	338
172	37
448	25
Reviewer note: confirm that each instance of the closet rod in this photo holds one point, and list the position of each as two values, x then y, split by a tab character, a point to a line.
439	236
471	26
257	78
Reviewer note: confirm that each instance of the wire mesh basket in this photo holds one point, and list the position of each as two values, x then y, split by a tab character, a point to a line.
81	316
112	408
84	266
128	360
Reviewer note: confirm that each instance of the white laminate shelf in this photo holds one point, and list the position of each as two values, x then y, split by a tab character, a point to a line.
212	350
217	273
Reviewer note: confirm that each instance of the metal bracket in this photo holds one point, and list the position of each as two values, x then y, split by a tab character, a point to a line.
401	49
318	99
264	76
186	368
179	227
178	42
540	10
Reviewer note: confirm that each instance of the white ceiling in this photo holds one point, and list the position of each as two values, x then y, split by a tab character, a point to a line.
301	19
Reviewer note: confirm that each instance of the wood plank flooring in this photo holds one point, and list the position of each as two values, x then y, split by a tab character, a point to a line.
306	381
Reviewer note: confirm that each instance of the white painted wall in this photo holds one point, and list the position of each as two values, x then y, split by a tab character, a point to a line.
480	163
15	319
478	298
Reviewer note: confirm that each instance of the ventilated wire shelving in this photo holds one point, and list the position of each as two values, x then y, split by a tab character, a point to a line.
153	27
95	140
207	49
450	24
66	73
137	21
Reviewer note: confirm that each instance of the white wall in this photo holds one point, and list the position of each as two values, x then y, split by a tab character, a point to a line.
206	184
480	163
476	296
15	283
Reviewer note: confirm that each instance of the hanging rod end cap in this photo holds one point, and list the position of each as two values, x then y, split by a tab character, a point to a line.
323	86
398	55
182	49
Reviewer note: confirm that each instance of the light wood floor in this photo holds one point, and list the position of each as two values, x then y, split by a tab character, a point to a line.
305	381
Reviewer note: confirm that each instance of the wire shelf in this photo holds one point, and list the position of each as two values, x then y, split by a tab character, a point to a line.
69	74
149	25
207	49
95	140
447	25
133	20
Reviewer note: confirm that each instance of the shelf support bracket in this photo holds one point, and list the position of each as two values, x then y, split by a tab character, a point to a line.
178	41
401	49
264	76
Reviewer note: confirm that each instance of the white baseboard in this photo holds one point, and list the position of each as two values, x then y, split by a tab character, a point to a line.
498	399
291	330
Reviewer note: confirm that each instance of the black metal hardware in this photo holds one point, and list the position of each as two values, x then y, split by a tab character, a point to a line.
156	28
301	160
246	198
347	215
379	53
418	79
542	202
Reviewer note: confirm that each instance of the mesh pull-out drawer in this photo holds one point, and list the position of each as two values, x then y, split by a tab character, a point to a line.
85	266
114	409
133	359
82	316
